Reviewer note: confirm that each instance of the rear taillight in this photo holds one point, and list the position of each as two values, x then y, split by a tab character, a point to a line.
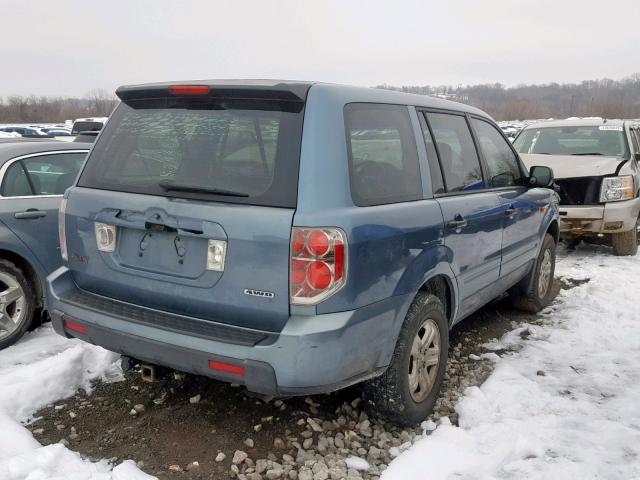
62	236
318	264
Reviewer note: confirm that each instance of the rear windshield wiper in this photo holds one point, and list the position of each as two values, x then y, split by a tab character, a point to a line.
178	187
590	153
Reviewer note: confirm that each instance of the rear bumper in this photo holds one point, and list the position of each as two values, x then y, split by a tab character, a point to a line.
613	217
312	354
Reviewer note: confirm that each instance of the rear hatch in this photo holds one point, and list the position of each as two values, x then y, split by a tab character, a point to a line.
199	186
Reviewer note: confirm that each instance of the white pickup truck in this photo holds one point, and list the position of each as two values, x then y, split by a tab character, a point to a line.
595	163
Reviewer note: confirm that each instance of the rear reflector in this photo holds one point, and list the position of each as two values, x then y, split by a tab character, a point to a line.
74	327
226	368
189	89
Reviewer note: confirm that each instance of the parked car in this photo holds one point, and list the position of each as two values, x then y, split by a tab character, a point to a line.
4	134
209	234
596	168
33	177
24	131
87	125
57	132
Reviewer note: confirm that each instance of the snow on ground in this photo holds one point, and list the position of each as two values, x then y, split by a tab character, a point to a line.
41	369
566	405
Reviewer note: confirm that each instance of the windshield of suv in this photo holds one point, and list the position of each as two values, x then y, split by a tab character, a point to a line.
605	140
240	151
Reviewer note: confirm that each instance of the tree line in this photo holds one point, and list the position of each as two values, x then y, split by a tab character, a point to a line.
42	109
602	98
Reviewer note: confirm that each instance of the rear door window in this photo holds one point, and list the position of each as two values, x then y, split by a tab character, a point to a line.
437	183
48	174
457	152
383	159
502	164
236	151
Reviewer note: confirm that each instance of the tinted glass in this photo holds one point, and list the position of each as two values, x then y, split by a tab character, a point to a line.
53	174
246	151
86	127
457	152
383	159
502	164
635	139
605	140
432	157
15	183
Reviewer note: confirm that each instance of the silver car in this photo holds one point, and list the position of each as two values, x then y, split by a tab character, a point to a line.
595	163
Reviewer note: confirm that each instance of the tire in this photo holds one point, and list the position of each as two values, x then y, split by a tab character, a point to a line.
16	314
397	395
626	243
535	291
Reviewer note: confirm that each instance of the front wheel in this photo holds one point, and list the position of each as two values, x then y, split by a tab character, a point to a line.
626	243
535	291
407	392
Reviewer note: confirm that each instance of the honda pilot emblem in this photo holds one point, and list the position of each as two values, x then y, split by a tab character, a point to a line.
258	293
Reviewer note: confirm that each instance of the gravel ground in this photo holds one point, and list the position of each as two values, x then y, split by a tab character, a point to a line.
191	427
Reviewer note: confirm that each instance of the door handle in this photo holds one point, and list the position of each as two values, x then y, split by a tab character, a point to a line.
457	222
30	213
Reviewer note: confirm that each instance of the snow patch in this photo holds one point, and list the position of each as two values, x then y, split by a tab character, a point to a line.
565	404
39	370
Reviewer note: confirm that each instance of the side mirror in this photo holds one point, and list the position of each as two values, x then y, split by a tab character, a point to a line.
541	177
637	157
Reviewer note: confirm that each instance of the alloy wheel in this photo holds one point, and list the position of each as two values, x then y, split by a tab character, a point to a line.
544	278
12	305
424	360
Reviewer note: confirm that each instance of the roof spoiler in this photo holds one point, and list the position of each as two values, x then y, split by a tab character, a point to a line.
290	92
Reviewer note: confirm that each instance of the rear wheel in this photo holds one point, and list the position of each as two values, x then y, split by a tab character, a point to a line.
406	393
17	304
535	291
626	243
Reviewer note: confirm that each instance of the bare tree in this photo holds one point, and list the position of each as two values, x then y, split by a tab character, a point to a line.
605	97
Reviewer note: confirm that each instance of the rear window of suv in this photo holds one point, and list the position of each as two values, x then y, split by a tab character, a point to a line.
237	151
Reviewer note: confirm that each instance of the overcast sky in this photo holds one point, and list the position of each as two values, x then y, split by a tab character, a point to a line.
69	47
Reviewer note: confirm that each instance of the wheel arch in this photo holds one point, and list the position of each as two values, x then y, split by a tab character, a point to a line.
442	287
554	230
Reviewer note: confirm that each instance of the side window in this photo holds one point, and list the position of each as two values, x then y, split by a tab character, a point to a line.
635	139
432	157
15	183
457	152
52	174
383	159
502	164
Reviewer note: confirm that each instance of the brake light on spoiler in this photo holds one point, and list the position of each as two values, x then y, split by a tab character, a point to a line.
189	89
